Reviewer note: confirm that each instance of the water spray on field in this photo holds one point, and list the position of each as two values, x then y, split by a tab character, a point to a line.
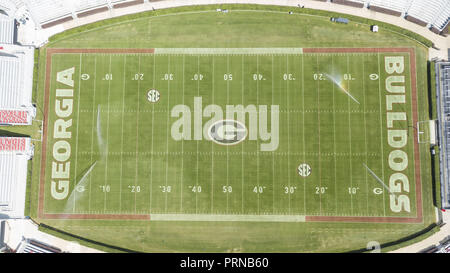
339	84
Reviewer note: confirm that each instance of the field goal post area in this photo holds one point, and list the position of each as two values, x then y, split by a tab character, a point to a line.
426	132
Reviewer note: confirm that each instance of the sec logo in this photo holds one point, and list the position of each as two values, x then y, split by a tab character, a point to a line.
304	170
153	95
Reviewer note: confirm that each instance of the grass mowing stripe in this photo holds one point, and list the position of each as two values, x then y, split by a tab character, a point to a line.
350	137
121	137
107	135
182	150
334	144
365	133
381	131
153	121
92	131
167	129
78	127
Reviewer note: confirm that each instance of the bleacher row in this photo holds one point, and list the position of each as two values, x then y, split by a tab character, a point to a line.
14	117
434	14
14	155
13	144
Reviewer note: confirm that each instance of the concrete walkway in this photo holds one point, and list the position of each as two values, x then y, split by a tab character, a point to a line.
440	42
430	241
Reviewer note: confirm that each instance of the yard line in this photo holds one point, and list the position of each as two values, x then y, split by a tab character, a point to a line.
318	118
182	150
273	159
107	136
228	102
288	144
137	134
92	133
121	138
78	126
257	143
198	95
350	137
153	119
334	144
167	129
212	145
381	129
242	149
365	134
303	131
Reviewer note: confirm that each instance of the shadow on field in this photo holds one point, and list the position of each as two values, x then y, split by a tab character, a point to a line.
82	239
11	134
399	241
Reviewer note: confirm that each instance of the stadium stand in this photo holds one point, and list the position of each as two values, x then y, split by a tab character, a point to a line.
14	155
16	72
434	14
443	102
6	29
34	246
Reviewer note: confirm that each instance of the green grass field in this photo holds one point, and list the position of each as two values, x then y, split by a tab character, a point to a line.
124	159
202	196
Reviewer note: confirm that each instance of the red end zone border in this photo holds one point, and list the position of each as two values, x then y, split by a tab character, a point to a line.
418	187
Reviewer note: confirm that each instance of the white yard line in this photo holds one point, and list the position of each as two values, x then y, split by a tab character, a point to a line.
303	131
167	130
121	138
153	120
242	162
365	134
273	156
137	135
334	144
78	126
288	134
92	133
318	119
228	102
198	95
107	137
257	142
350	138
182	150
212	144
381	130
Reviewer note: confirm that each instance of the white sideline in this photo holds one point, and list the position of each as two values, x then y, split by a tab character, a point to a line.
224	51
227	217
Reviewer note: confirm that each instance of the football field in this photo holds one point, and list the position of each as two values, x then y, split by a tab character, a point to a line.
328	135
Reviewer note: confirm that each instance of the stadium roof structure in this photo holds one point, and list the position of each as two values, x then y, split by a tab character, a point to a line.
14	155
6	29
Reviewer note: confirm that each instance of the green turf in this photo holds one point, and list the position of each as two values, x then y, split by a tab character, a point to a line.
322	106
139	167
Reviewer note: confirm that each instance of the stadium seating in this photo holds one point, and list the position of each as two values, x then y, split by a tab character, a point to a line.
12	144
14	155
14	117
6	29
47	13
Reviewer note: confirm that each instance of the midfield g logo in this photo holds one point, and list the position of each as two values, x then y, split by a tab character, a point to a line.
227	132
